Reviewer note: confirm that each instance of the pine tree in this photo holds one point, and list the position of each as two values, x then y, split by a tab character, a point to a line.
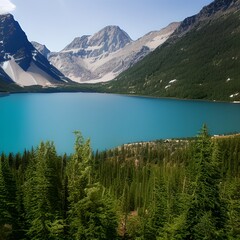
5	217
232	196
159	216
78	177
9	214
96	218
90	216
206	217
40	201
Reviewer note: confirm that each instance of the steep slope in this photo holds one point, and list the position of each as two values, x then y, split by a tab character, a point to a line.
20	61
76	59
201	60
115	63
104	55
41	48
7	84
4	77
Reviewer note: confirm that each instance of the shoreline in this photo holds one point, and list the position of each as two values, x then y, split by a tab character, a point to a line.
127	95
4	94
179	140
175	98
184	140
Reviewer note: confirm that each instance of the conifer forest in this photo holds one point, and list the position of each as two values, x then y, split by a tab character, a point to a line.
165	190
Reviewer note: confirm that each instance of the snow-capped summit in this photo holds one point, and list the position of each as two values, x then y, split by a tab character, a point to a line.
20	61
104	55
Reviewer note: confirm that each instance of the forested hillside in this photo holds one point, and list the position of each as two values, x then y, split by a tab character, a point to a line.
200	61
176	189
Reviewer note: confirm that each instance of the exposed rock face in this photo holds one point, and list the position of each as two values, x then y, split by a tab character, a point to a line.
107	53
208	12
41	48
13	42
20	61
109	39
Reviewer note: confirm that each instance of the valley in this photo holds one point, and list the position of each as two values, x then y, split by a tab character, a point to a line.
117	137
197	58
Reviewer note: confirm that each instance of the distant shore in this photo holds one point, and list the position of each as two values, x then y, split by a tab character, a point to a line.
176	98
226	136
177	140
66	90
3	94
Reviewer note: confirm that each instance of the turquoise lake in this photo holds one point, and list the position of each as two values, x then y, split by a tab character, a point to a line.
109	120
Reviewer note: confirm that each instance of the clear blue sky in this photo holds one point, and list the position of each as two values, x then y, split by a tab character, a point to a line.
56	23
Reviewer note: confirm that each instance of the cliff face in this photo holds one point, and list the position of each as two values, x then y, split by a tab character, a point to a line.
14	42
20	62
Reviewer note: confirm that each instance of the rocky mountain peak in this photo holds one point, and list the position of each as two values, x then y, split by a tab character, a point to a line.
107	53
14	42
111	38
20	61
107	40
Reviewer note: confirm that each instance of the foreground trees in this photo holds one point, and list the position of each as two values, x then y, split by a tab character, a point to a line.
206	217
91	214
180	189
42	191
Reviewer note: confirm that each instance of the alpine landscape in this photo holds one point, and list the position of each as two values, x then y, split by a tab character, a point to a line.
119	121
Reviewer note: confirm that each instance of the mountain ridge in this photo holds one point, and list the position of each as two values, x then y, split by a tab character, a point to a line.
105	54
41	48
199	61
215	8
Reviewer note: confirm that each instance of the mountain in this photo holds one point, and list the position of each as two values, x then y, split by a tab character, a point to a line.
106	54
20	62
107	40
201	59
41	48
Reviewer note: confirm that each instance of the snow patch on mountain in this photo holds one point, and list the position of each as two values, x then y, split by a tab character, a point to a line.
103	56
234	95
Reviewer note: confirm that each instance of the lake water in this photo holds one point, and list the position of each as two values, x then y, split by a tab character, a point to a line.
109	120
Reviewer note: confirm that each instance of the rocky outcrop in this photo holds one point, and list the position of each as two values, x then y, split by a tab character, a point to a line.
106	54
41	48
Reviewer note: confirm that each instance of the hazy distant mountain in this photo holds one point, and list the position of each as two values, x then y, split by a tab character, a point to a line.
200	60
20	62
41	48
107	53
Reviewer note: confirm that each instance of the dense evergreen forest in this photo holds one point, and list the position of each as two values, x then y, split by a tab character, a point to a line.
176	189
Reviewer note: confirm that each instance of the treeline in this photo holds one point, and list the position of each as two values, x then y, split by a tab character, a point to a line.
205	63
177	189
